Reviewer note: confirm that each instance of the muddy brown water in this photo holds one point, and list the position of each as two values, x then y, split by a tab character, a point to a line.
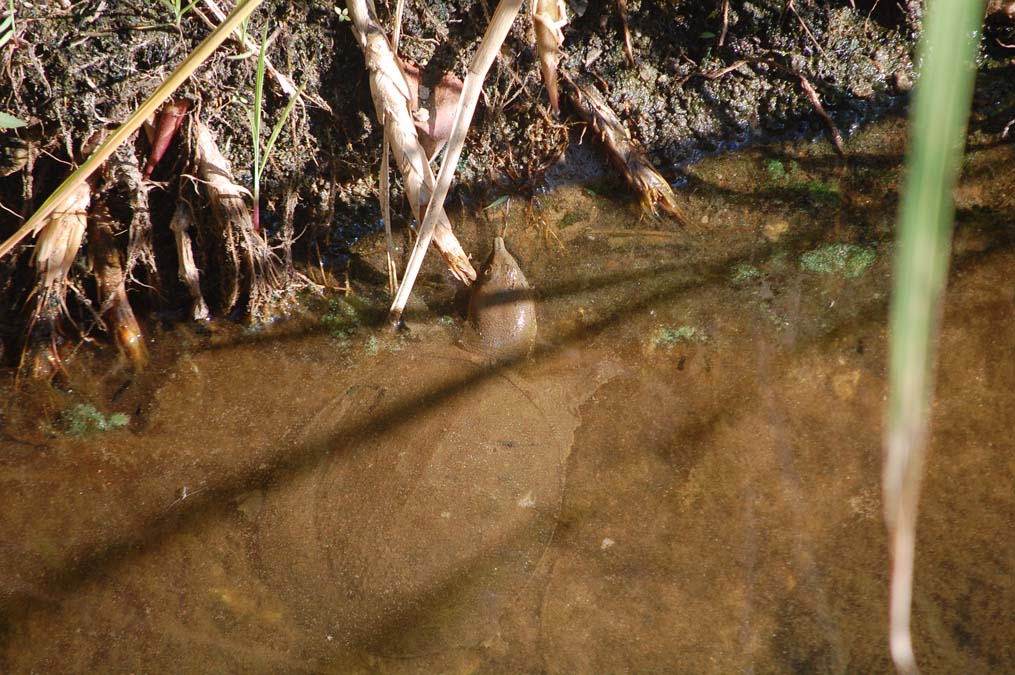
682	477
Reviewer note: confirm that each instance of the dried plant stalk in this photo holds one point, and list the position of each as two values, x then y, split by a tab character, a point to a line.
392	99
625	152
124	170
548	19
628	49
500	23
181	225
59	238
246	253
107	266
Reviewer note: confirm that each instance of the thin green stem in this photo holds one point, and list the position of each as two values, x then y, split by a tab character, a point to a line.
939	114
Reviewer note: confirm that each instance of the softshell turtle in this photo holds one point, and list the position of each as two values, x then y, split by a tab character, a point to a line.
435	497
502	308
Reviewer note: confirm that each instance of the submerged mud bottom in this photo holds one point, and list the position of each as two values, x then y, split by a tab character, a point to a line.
682	477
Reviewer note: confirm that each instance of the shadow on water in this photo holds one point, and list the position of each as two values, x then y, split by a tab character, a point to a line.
739	410
669	281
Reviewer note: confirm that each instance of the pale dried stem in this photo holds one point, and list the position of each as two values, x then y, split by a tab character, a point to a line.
488	49
385	187
625	152
385	196
246	250
392	99
548	20
60	236
903	471
181	225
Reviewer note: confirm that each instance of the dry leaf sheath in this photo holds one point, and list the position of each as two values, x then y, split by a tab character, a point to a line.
625	152
60	236
548	19
392	98
181	224
247	253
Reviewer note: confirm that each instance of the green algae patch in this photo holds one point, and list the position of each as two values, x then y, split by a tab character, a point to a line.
847	260
85	418
665	337
776	170
743	273
794	182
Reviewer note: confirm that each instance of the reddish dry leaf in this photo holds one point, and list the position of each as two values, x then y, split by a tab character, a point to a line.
434	111
167	124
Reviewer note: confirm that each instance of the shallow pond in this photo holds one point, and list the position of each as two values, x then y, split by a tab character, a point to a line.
683	477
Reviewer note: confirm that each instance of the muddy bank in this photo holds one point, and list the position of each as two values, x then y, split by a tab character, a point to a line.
697	80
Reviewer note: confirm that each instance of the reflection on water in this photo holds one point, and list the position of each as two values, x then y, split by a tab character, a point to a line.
683	478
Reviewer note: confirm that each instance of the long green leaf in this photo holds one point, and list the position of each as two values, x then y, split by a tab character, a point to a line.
255	121
939	115
278	127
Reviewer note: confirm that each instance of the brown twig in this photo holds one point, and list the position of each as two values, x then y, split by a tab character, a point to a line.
628	49
725	21
816	102
624	151
790	7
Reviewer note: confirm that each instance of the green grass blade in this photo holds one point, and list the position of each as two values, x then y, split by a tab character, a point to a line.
255	122
939	114
8	121
277	129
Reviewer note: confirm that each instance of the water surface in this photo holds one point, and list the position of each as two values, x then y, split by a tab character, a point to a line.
684	477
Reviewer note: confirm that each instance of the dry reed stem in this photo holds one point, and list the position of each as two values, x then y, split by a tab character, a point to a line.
496	31
181	225
548	20
60	236
137	118
625	152
392	100
107	267
385	186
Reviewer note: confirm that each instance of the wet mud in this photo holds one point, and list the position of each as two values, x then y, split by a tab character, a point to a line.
683	476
